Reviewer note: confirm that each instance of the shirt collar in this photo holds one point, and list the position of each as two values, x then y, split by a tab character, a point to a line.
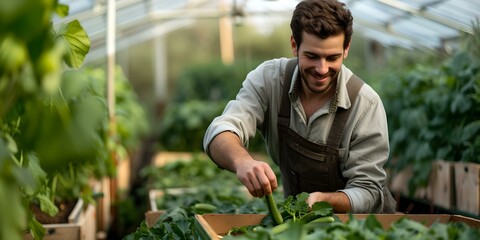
339	99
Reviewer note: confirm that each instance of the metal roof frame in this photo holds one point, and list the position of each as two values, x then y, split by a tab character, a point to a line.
423	24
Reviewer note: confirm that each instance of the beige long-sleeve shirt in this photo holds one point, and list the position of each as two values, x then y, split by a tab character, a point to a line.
364	146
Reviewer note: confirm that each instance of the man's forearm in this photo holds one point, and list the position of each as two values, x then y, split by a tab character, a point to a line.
339	200
226	150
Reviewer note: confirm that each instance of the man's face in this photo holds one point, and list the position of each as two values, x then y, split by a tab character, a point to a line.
319	62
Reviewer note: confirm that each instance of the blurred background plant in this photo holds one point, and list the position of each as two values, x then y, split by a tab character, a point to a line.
433	112
53	116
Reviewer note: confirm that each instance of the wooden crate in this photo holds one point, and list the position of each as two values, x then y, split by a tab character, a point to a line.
215	226
153	214
467	187
103	206
398	184
441	187
123	177
81	226
162	158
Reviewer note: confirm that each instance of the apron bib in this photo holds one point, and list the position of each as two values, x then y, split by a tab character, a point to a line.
309	167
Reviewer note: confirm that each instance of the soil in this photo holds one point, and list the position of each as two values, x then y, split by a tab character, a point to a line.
64	210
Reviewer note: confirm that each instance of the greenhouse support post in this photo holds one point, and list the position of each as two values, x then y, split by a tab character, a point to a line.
111	58
110	46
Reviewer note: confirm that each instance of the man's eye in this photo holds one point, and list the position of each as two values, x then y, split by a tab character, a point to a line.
333	58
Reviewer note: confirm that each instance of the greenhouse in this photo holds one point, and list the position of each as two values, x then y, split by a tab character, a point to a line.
162	119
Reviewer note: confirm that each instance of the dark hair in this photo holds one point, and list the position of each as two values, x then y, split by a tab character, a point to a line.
323	18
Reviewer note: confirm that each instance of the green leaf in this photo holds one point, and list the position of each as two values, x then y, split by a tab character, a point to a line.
295	231
62	10
12	221
77	41
470	131
36	229
46	205
372	223
323	208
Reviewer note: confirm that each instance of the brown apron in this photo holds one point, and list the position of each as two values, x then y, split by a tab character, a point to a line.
306	166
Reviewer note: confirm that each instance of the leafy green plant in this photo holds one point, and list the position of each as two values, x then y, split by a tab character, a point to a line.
202	93
188	173
433	113
35	118
53	122
367	228
178	220
178	223
131	119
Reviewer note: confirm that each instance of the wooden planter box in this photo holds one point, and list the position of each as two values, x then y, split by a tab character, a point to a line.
81	225
214	226
123	177
152	215
441	184
399	184
162	158
467	178
440	190
103	207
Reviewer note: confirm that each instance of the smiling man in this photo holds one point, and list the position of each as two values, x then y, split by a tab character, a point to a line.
324	127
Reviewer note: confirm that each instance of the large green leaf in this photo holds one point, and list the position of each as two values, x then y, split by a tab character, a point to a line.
77	41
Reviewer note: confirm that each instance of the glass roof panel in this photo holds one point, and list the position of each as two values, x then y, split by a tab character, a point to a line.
168	5
390	22
384	38
422	26
372	11
418	4
462	12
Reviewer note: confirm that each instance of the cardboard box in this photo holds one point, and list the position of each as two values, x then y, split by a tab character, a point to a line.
214	226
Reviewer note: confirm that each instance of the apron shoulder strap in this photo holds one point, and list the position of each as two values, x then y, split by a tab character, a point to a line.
341	116
284	114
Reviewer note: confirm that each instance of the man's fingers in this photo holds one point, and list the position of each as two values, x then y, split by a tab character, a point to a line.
265	183
258	178
272	178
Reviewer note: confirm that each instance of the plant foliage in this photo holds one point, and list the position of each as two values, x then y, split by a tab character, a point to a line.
53	121
433	112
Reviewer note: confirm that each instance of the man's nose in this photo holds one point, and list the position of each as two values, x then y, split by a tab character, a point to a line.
321	66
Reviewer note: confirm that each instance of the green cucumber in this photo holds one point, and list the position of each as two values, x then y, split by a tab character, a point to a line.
280	228
327	219
273	209
309	217
320	220
314	217
204	207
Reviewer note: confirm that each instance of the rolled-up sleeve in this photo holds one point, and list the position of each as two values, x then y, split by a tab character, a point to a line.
242	115
368	152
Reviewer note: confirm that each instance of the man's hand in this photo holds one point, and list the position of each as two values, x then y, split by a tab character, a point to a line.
257	176
227	151
339	200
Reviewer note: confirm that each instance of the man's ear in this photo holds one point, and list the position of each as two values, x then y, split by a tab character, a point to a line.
294	46
345	51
